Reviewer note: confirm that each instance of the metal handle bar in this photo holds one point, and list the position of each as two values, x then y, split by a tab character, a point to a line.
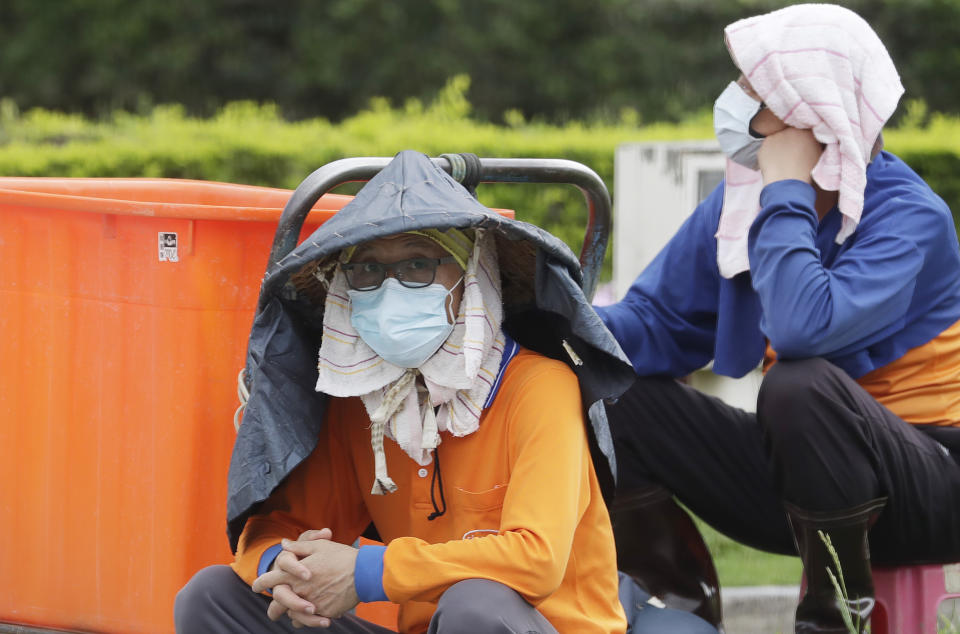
492	170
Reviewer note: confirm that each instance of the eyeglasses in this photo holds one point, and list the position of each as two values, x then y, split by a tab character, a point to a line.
412	273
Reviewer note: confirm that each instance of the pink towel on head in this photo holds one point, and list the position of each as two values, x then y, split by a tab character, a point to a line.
818	67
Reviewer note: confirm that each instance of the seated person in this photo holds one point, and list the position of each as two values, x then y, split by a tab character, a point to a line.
466	451
836	259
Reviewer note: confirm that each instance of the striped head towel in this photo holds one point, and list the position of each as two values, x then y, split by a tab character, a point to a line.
818	67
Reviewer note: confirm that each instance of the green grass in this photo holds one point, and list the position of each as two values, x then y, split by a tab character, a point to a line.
739	565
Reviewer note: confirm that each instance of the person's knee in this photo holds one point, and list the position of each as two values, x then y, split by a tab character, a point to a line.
789	389
196	600
459	603
476	605
787	383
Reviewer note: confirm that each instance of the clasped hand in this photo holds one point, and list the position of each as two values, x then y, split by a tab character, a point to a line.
311	580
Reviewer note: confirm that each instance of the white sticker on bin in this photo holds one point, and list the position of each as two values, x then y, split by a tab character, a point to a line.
167	244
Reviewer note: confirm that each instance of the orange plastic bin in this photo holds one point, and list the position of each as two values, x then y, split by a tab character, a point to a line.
125	307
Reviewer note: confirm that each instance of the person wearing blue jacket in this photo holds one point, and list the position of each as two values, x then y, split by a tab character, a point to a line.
834	264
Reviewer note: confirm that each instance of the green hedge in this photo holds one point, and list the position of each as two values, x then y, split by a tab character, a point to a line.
251	143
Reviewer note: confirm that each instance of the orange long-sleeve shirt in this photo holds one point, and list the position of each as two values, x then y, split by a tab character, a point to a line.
523	505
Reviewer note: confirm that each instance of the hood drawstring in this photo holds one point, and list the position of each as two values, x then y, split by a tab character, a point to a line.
437	478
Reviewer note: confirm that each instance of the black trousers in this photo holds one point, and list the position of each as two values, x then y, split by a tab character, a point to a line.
818	441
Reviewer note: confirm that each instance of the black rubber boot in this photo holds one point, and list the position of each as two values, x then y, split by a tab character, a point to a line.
659	546
821	609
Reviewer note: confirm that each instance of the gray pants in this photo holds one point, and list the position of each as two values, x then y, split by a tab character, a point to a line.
217	601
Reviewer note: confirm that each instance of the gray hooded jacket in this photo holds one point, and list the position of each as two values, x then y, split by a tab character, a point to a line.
544	307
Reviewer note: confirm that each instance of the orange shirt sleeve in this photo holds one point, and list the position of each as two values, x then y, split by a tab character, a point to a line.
321	492
546	497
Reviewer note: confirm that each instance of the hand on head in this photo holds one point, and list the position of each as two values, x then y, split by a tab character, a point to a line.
790	153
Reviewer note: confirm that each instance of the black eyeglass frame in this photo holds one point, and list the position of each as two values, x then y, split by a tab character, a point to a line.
348	268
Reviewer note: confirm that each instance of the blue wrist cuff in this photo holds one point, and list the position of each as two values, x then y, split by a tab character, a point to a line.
790	189
368	574
266	559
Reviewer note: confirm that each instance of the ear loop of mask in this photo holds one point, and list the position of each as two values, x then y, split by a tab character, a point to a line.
750	129
449	309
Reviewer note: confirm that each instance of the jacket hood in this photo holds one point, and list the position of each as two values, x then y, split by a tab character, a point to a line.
544	310
412	193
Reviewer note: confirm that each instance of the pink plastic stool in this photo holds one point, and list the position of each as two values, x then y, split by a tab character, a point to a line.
908	598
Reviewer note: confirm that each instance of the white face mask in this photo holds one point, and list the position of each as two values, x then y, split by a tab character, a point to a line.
732	113
405	326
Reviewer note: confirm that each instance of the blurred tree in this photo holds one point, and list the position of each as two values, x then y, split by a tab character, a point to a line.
923	37
554	60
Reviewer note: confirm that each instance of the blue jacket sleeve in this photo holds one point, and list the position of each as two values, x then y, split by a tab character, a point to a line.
666	323
811	310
